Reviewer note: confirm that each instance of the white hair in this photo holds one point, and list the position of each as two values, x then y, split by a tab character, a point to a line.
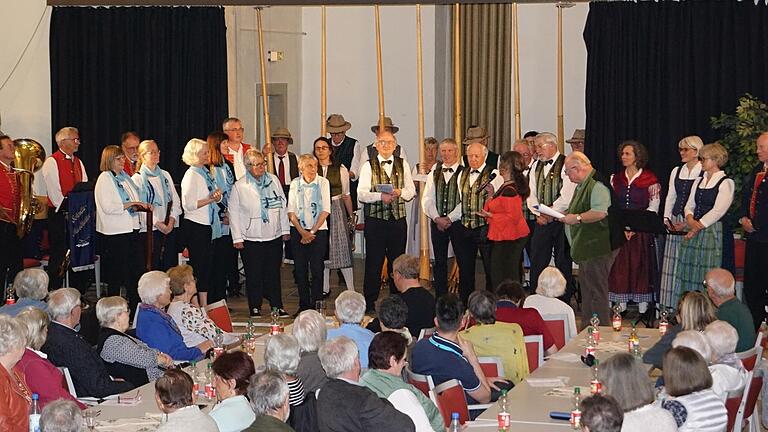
36	322
152	285
722	338
282	354
31	283
551	283
696	341
61	134
309	330
267	392
109	308
61	416
190	151
62	301
13	334
338	355
350	307
547	138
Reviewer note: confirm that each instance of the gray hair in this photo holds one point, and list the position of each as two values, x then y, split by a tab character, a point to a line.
250	155
350	307
282	354
696	341
190	151
109	308
13	334
579	157
36	322
61	416
306	159
625	378
722	338
551	283
309	330
407	266
62	301
61	134
31	283
152	285
449	141
267	392
338	355
482	306
547	138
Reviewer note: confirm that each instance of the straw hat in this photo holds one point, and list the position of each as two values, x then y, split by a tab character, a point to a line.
336	124
282	132
387	124
475	134
578	136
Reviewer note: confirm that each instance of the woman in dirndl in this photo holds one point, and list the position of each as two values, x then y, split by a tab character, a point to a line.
710	198
634	271
681	181
340	221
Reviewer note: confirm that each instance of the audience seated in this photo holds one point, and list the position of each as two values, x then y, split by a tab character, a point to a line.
393	315
268	393
626	380
421	304
494	338
343	405
194	325
14	394
173	395
690	399
66	348
726	366
125	356
694	312
61	416
721	288
551	285
601	414
155	327
310	332
31	288
232	373
282	356
725	379
42	376
350	309
386	361
509	309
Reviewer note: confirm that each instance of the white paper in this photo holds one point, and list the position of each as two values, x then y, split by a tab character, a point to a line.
547	382
385	188
549	211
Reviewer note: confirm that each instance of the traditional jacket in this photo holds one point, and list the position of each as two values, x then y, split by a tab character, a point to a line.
70	172
588	240
446	194
754	203
396	209
472	198
638	194
9	194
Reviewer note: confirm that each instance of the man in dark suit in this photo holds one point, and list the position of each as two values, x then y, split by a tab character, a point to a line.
343	405
478	134
66	348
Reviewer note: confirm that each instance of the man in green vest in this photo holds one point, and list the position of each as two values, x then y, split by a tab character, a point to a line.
384	187
589	235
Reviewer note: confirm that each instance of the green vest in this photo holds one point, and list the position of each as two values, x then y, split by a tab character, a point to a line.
446	194
396	209
333	175
384	384
588	240
472	200
548	187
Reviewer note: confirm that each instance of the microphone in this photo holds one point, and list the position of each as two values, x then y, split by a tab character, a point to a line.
490	179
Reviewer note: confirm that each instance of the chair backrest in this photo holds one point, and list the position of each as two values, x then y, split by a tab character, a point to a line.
68	380
534	348
421	382
558	327
491	366
755	386
218	312
426	332
732	404
136	316
449	398
751	356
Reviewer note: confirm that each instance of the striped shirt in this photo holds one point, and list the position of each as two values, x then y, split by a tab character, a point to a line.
295	392
701	411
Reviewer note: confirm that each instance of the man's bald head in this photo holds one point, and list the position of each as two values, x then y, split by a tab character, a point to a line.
476	154
721	285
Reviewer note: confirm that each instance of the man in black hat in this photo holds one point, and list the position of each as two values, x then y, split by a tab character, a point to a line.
343	148
364	154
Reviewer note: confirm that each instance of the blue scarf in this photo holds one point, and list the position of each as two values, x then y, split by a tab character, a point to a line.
216	229
149	191
118	179
268	191
224	179
314	201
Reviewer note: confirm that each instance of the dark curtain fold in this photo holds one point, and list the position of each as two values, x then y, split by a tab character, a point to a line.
160	71
657	71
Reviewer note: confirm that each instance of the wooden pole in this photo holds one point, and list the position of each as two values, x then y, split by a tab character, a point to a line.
457	117
267	146
323	100
423	221
560	126
518	125
379	73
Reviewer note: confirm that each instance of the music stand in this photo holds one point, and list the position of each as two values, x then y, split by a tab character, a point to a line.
645	221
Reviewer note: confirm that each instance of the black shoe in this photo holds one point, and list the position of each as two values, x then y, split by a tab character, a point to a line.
255	313
282	313
326	295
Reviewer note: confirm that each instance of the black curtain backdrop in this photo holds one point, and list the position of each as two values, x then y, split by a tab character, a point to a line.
161	71
657	71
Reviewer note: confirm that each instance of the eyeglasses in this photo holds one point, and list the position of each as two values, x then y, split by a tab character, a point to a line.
322	148
337	133
259	165
386	142
72	139
703	158
154	152
234	130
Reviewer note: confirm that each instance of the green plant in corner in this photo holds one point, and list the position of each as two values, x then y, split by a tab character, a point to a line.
738	134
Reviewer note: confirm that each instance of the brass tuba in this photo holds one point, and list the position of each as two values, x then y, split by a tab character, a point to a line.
28	158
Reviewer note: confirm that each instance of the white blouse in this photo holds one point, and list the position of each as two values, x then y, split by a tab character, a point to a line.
245	213
193	189
685	174
111	216
722	202
325	199
158	214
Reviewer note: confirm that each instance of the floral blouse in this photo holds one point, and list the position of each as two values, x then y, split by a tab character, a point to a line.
194	325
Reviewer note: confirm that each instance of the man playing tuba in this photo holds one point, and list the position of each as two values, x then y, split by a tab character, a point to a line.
10	251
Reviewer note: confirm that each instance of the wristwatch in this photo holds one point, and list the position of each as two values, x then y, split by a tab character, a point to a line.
578	218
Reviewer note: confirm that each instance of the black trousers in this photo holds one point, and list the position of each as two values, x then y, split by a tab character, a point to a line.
440	242
261	262
165	253
546	240
468	243
123	258
756	279
224	265
10	255
505	257
308	258
383	239
200	248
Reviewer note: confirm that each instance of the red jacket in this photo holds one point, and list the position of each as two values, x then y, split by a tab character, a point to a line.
507	222
44	378
529	319
14	402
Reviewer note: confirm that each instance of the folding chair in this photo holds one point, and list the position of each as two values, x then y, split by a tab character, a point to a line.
534	348
752	356
558	326
491	366
449	398
422	382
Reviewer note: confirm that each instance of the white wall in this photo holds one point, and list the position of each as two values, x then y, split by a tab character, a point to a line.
25	99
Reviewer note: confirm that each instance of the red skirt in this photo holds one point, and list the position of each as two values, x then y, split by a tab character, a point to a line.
634	271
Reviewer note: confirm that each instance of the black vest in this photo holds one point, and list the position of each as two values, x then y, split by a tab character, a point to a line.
682	191
446	194
136	376
333	176
292	172
372	152
344	152
705	199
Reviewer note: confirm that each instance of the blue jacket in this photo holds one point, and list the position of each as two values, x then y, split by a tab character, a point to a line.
157	329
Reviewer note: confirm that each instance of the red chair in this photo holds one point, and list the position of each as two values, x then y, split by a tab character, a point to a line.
426	332
558	327
449	398
751	356
534	348
491	366
739	253
732	404
755	386
422	382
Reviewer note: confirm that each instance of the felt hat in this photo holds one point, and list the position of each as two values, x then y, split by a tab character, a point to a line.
387	124
282	132
336	123
475	134
578	135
